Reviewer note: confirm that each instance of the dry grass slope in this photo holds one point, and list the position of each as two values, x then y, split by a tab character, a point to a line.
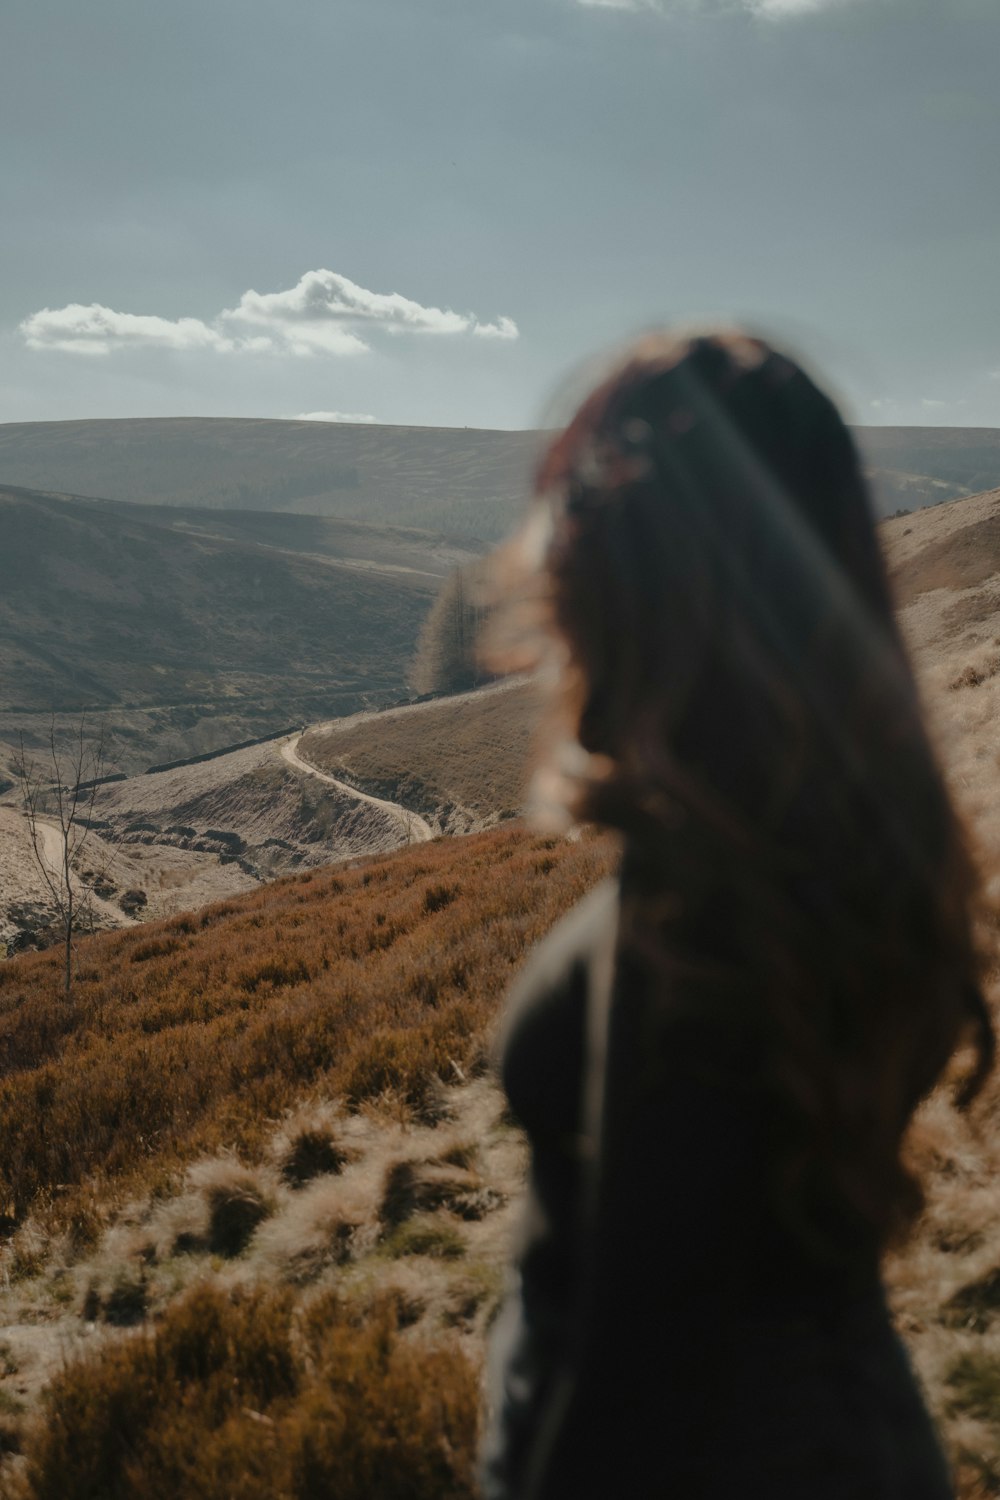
257	1134
188	1035
460	761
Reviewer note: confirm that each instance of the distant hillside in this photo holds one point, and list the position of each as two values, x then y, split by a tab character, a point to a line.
464	481
467	482
188	630
912	467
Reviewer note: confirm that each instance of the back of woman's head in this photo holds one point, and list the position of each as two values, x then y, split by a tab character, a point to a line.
731	667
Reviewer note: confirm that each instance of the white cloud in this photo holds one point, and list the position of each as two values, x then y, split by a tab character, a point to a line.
319	306
95	329
503	328
332	416
324	313
322	296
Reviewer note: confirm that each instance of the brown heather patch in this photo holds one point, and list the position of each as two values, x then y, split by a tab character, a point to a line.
243	1395
197	1034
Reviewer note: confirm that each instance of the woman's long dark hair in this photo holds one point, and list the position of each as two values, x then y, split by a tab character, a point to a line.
751	725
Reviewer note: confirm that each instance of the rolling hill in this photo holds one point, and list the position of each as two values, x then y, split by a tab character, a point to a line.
462	481
197	832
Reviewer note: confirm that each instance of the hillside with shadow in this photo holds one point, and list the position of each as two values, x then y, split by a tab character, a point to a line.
184	631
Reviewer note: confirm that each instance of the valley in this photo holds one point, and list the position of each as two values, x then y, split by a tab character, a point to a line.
179	633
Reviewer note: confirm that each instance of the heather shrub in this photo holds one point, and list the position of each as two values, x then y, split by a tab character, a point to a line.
234	1396
307	1145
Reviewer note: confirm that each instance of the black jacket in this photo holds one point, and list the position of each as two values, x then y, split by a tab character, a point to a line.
664	1334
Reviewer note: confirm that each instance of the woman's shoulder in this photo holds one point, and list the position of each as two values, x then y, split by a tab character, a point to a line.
569	947
541	1043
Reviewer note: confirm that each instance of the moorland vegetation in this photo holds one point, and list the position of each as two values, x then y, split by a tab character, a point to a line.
261	1136
258	1188
260	1183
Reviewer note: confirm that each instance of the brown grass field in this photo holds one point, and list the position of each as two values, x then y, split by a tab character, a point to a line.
258	1185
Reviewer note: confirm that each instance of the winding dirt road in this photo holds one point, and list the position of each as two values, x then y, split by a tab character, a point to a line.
51	847
417	829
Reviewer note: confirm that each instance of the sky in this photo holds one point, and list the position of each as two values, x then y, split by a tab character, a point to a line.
440	212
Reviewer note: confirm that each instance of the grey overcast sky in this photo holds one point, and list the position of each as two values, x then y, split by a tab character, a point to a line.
429	211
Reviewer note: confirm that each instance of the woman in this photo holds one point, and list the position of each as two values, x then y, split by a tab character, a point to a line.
716	1055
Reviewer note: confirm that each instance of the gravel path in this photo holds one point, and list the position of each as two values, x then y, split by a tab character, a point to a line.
418	830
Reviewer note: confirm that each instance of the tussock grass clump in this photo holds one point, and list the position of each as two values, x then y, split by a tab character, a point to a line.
308	1145
122	1303
975	1381
423	1186
975	1305
327	1223
236	1395
974	674
425	1234
236	1198
460	1154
